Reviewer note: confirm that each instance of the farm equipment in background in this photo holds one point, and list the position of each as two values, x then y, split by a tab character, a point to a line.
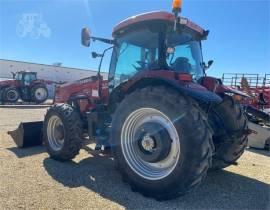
257	106
164	120
253	84
24	86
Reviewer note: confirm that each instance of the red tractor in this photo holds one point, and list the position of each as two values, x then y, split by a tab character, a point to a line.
164	120
24	85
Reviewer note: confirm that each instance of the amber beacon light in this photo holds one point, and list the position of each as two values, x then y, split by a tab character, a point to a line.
177	6
176	9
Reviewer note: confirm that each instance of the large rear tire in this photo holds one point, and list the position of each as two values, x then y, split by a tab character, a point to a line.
62	132
11	95
230	133
161	142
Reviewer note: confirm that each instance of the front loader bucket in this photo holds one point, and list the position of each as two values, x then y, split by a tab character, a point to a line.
28	134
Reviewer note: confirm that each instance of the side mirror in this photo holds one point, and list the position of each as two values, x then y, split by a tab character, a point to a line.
86	37
210	63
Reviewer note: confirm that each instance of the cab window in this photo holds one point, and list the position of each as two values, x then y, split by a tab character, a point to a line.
134	55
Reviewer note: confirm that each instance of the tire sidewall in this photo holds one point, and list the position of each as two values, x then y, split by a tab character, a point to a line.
231	114
46	141
55	111
182	167
33	93
7	90
229	138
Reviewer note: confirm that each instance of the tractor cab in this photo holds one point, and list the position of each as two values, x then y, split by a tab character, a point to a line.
152	41
25	78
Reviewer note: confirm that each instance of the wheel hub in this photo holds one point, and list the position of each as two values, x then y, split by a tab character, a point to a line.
154	142
59	132
148	143
40	93
55	133
12	95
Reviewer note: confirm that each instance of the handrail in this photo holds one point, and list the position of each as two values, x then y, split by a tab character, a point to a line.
254	80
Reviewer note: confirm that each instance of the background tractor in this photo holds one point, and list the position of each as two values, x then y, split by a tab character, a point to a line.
24	86
164	120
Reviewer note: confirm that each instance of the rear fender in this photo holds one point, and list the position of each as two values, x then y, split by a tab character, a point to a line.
215	85
196	91
188	88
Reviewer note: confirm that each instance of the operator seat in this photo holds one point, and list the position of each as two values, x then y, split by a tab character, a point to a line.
182	64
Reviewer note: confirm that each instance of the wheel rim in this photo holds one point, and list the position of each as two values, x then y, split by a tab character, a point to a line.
40	94
12	95
146	169
55	133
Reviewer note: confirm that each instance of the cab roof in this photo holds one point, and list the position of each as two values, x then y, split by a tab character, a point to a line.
152	16
26	72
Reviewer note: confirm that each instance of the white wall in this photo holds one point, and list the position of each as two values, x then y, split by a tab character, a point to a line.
46	72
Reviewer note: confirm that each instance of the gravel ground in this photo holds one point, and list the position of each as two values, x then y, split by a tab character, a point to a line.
29	179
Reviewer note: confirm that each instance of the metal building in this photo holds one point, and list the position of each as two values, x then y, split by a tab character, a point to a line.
55	72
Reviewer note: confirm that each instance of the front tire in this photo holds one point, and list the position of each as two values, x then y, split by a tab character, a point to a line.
230	136
161	142
62	132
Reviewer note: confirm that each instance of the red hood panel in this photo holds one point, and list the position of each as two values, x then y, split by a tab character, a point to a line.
10	82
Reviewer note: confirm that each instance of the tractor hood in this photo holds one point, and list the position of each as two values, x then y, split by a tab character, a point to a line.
8	82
